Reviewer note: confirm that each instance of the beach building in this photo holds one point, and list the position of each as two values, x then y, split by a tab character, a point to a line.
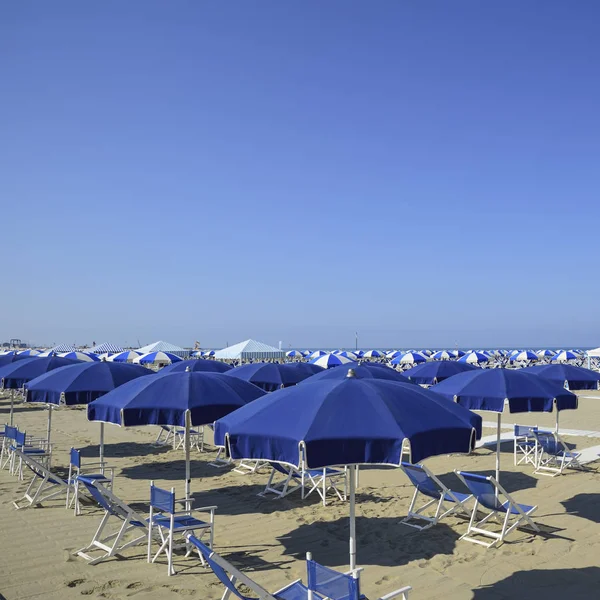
249	350
161	346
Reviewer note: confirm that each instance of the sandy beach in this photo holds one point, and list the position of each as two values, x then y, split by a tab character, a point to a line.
268	538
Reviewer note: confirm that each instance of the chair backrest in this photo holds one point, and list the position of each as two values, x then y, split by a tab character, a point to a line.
109	502
163	500
20	437
482	488
40	470
548	442
525	430
421	480
331	584
10	432
281	468
218	570
75	458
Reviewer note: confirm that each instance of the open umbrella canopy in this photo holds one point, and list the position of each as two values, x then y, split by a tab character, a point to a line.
124	357
361	371
165	399
410	358
7	359
197	364
487	389
474	358
569	376
81	383
29	352
15	375
327	361
430	373
443	355
352	421
523	356
159	358
564	356
294	354
84	356
294	373
265	375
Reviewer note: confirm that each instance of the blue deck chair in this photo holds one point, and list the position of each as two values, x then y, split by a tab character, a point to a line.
525	445
322	583
8	442
96	471
315	480
115	509
167	522
488	493
553	456
44	484
445	501
27	446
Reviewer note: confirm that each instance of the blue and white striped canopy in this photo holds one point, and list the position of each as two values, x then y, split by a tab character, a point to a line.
443	355
545	353
410	358
294	354
474	358
330	360
29	352
317	353
347	354
372	354
122	357
157	358
106	347
525	355
62	348
393	354
564	356
458	353
208	353
84	356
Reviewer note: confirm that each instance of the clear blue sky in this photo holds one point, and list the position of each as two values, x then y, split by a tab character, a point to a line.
423	173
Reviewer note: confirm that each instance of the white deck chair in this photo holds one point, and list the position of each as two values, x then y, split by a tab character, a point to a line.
44	484
488	493
323	583
164	437
167	523
315	480
525	445
444	501
553	455
130	522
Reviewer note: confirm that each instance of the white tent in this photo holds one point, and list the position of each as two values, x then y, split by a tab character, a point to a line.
164	347
249	349
595	353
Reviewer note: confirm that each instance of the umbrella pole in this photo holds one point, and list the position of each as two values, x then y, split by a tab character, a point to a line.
187	456
48	431
556	430
498	436
102	445
352	475
12	402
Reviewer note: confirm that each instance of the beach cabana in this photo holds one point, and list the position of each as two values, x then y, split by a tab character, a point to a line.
184	400
161	346
349	422
249	350
106	348
496	390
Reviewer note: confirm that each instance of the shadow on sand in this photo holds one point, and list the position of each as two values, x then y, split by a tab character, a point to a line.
586	506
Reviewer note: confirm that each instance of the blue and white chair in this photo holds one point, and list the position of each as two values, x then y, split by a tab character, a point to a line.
525	444
93	471
321	481
323	583
444	501
489	494
8	443
115	510
167	522
36	447
553	455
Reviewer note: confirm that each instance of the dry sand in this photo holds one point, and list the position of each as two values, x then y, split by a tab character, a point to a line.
268	538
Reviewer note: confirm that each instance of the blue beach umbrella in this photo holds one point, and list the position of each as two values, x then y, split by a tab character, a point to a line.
523	356
569	376
7	359
15	375
458	353
410	358
80	383
127	356
430	373
565	356
318	353
495	389
197	364
361	371
29	352
443	355
328	361
347	354
208	353
294	354
349	422
159	358
184	399
294	373
474	358
545	353
77	355
372	354
265	375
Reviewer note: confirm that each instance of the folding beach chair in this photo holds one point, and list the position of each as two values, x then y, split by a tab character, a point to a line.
445	501
319	480
44	484
167	522
221	460
96	471
488	493
525	445
8	442
114	507
553	456
37	447
322	583
164	437
246	467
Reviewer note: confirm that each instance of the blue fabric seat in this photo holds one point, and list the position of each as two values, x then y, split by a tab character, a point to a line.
78	474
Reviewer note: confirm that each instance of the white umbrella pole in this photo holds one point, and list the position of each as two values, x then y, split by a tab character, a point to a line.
498	436
556	431
352	475
48	431
102	445
187	454
12	402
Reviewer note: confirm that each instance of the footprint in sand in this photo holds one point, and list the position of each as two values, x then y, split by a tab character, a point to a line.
75	582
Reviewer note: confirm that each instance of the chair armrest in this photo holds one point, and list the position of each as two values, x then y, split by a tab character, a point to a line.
404	591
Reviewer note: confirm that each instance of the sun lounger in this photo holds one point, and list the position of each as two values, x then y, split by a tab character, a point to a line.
117	510
445	501
96	471
488	493
319	480
44	484
167	522
322	583
525	445
553	455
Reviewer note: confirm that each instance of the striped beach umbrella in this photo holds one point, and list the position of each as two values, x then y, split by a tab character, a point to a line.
317	353
29	352
372	354
348	354
523	356
330	360
127	356
545	353
564	356
474	358
84	356
294	354
410	358
458	353
443	355
157	358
